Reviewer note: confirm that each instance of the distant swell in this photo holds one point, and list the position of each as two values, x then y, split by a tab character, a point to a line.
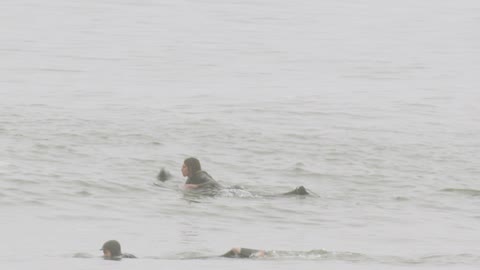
469	192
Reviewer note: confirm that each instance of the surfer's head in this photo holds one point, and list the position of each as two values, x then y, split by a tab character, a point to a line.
191	166
111	249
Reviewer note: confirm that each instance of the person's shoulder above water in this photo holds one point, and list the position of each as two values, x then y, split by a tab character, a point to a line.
200	177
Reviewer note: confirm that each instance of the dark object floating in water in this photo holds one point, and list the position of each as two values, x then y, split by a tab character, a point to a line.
301	190
163	175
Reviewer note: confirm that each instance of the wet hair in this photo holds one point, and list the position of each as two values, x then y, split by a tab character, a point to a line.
193	165
114	247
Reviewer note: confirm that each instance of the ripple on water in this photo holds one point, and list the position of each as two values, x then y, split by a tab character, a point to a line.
21	182
345	256
463	191
83	193
401	198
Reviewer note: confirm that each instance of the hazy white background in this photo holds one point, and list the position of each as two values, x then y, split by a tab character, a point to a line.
372	105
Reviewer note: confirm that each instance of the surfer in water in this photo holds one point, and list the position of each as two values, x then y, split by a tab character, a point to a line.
200	180
113	251
197	178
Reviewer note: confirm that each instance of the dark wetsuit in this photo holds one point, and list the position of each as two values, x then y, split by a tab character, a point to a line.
203	179
123	256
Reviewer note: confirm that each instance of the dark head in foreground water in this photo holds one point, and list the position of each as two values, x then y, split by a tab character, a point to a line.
113	251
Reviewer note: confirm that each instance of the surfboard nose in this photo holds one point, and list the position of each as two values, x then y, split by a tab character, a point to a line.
163	175
301	190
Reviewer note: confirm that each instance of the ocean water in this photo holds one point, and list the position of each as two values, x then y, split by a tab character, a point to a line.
371	105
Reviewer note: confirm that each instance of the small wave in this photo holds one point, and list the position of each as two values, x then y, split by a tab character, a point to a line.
34	202
353	257
83	193
321	254
318	254
401	198
83	255
464	258
79	217
463	191
190	255
235	192
19	181
156	143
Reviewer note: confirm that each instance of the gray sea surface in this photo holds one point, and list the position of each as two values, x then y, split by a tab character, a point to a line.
372	105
